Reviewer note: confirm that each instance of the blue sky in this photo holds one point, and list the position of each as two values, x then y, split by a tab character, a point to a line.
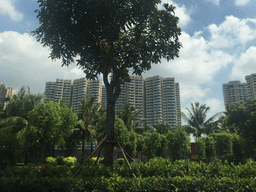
218	37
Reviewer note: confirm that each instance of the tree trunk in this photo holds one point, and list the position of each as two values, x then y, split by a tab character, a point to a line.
109	130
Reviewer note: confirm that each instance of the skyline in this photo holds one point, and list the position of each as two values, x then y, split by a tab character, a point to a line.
218	39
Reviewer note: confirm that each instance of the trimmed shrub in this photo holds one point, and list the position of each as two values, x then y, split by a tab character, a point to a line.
70	160
51	160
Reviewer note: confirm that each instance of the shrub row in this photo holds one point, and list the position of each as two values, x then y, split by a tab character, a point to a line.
154	167
118	184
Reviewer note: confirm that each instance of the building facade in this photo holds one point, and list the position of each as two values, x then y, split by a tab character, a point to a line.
72	92
5	92
234	92
251	86
162	101
157	98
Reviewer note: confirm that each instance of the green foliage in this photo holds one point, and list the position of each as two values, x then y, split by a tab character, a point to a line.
209	147
155	175
129	116
51	160
162	128
155	148
242	116
51	124
140	143
59	160
197	119
223	143
200	148
127	139
10	148
179	144
70	160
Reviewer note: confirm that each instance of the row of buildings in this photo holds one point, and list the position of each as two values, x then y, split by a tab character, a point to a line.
235	91
157	98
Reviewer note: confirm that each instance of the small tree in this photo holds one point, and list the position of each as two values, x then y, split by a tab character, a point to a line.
209	147
200	148
50	124
223	143
179	148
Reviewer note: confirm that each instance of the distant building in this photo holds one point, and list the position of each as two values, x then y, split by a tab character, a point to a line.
162	101
251	86
73	91
234	92
59	90
5	92
157	98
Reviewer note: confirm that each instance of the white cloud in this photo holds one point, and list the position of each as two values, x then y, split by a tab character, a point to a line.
182	12
241	2
233	31
245	64
24	61
215	105
195	67
6	7
216	2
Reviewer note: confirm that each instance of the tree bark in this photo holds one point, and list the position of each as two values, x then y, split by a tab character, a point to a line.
109	130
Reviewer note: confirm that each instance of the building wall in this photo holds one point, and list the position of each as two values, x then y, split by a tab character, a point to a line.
5	92
157	98
251	85
234	92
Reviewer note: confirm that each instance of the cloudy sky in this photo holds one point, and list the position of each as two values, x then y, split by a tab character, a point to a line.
218	38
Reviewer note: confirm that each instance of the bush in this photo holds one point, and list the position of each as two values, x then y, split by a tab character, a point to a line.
70	160
10	148
51	160
60	160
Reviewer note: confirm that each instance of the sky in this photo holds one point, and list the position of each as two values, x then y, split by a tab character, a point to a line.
218	39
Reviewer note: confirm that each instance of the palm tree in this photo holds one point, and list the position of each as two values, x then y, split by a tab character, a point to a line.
16	115
85	125
129	115
196	120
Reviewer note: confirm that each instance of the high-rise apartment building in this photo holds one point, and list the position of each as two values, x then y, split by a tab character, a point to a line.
251	85
5	92
80	87
133	93
59	90
157	98
233	92
73	91
162	101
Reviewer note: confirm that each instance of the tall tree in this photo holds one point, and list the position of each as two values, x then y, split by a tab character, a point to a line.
110	38
242	116
197	119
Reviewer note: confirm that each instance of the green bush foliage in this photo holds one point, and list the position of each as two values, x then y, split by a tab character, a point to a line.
157	174
51	160
69	160
10	148
60	160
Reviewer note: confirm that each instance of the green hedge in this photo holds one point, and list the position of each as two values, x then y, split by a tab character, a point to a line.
155	175
118	184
